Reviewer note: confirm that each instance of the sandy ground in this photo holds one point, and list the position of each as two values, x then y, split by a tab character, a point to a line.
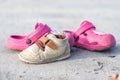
20	16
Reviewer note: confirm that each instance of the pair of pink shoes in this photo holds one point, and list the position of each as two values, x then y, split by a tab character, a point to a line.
83	37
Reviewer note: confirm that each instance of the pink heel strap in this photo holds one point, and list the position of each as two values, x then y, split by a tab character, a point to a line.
85	25
34	36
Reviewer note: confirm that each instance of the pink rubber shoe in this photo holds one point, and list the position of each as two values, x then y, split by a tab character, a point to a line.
21	42
70	36
85	37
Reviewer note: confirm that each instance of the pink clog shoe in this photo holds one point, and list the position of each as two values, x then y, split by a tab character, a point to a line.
70	36
85	37
21	42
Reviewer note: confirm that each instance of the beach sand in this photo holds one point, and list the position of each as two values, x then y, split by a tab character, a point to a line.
20	16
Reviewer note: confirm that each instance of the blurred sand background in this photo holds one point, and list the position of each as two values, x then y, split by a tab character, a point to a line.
20	16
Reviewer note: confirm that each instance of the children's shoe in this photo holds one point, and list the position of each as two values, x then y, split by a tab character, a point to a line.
114	77
48	48
85	37
21	42
70	36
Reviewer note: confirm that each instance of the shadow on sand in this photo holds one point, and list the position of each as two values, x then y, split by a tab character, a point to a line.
78	53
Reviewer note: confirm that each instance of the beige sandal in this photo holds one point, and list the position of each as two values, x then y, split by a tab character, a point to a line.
48	48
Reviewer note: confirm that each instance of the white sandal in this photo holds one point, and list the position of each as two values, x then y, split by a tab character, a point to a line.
48	48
